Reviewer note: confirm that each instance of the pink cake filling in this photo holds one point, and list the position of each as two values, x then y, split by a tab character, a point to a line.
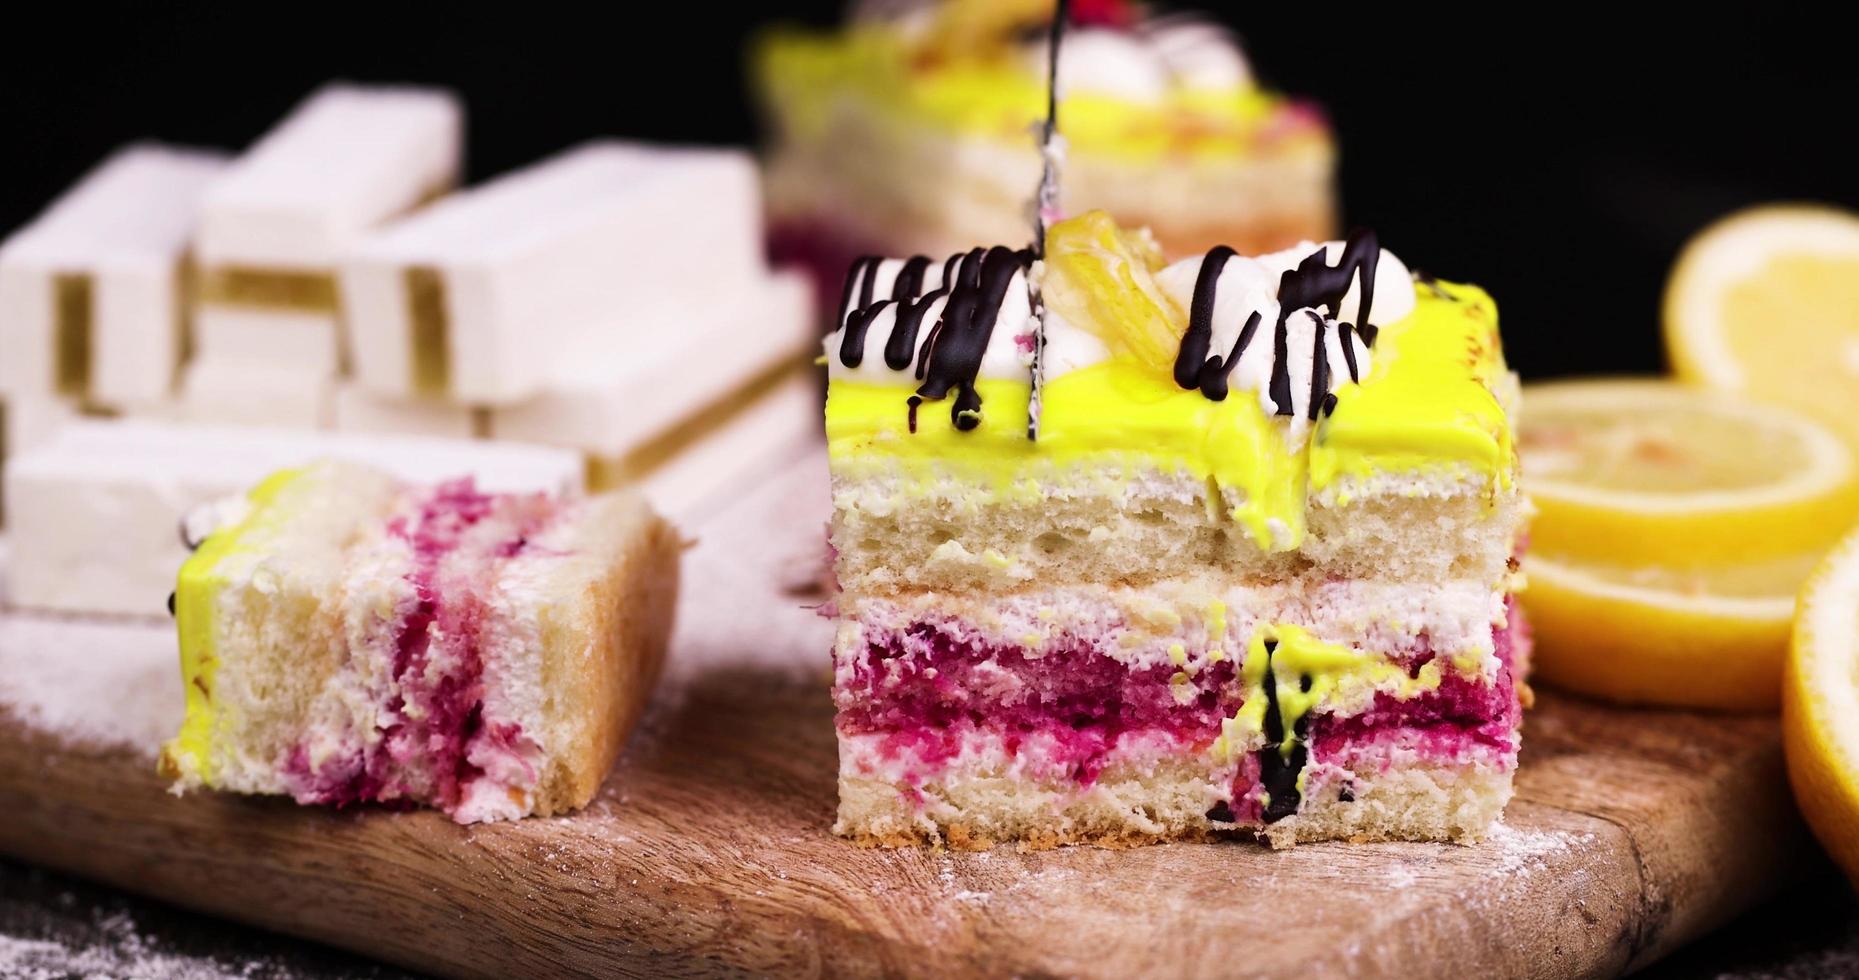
926	691
436	741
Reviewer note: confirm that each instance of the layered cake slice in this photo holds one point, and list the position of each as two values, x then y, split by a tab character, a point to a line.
348	638
1132	551
908	131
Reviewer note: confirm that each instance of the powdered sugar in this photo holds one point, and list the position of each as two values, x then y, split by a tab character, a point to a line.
118	948
727	615
1519	851
106	684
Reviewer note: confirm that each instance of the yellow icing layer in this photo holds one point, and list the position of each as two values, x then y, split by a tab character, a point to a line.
991	92
1426	404
194	615
1308	673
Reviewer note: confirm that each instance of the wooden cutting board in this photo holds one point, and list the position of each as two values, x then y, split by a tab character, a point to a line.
709	850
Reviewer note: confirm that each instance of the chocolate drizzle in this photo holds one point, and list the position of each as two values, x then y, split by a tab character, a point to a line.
961	337
1278	769
974	287
1313	284
1191	362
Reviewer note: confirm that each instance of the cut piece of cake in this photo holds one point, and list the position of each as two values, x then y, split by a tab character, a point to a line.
911	130
1218	545
98	503
349	638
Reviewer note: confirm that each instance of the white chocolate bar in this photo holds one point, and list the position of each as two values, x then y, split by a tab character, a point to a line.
273	228
90	291
768	433
684	364
255	391
96	512
495	294
359	410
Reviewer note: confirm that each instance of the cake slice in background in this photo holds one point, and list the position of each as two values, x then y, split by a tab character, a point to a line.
348	638
911	130
1241	562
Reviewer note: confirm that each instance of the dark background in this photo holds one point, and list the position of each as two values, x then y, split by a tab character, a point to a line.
1559	160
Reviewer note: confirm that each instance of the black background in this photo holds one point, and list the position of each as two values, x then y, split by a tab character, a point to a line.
1559	159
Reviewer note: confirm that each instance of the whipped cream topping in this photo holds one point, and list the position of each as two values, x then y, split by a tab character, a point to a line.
1147	64
1199	53
1290	327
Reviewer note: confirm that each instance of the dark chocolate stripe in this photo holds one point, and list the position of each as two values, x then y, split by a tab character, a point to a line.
961	336
949	268
909	280
869	282
1214	373
1278	771
1346	335
1193	354
852	342
1280	387
853	276
901	349
1319	367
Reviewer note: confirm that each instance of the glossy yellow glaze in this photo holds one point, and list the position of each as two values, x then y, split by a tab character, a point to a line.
194	615
1426	405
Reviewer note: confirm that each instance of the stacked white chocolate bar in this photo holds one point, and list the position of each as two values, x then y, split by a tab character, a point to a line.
91	292
613	299
611	303
274	229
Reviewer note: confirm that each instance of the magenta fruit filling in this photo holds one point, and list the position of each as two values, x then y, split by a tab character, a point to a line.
926	688
436	697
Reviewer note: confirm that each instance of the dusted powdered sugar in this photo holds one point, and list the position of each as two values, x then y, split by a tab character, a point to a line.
95	683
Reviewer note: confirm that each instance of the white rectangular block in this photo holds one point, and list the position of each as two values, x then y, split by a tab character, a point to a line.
360	410
96	513
768	432
247	391
684	363
496	293
272	228
346	159
90	291
29	421
293	338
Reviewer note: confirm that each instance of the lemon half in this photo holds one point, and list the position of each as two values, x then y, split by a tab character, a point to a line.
1766	302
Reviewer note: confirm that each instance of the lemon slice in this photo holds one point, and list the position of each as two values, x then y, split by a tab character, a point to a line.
1820	705
1767	302
1710	637
1654	473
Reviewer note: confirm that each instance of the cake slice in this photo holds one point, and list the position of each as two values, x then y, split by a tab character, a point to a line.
96	505
1218	545
348	638
909	130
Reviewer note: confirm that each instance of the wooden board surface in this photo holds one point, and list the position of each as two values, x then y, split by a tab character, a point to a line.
709	848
